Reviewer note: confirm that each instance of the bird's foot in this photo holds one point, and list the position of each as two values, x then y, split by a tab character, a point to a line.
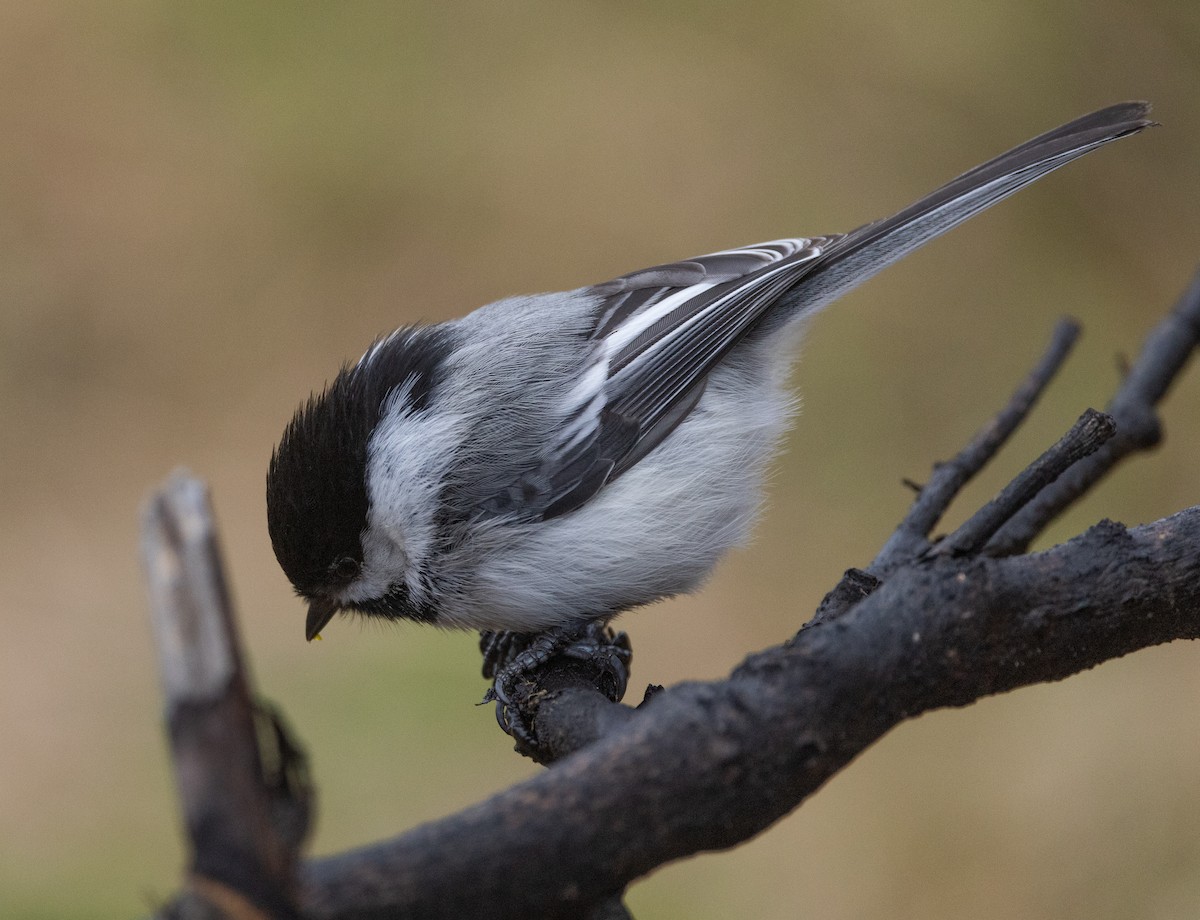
511	659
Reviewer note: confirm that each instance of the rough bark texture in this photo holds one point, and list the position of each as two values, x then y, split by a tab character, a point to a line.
704	766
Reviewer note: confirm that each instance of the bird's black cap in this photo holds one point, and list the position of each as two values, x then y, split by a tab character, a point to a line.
317	500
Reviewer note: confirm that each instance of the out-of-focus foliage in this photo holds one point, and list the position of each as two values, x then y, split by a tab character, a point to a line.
204	208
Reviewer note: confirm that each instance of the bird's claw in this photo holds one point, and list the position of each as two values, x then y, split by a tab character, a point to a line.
511	659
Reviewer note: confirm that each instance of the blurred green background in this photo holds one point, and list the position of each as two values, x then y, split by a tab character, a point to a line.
204	208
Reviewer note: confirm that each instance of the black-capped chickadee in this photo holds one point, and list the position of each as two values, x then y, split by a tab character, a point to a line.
552	459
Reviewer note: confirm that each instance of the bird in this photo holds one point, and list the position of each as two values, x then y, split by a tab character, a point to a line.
548	461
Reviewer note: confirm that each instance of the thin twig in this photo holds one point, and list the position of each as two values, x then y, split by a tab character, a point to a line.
910	539
1087	435
1165	353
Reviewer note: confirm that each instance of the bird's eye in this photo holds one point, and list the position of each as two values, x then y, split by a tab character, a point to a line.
345	568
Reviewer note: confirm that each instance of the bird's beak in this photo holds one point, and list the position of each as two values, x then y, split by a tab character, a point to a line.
320	612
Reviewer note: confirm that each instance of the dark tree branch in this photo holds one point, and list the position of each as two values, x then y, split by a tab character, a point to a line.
1086	436
911	538
705	766
1164	355
574	712
240	779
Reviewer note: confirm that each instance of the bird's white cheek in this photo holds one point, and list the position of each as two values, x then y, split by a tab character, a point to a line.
384	564
408	457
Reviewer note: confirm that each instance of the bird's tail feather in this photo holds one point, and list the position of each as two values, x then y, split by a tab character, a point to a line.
865	251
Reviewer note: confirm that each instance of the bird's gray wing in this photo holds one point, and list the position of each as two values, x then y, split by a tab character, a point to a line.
660	331
657	334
